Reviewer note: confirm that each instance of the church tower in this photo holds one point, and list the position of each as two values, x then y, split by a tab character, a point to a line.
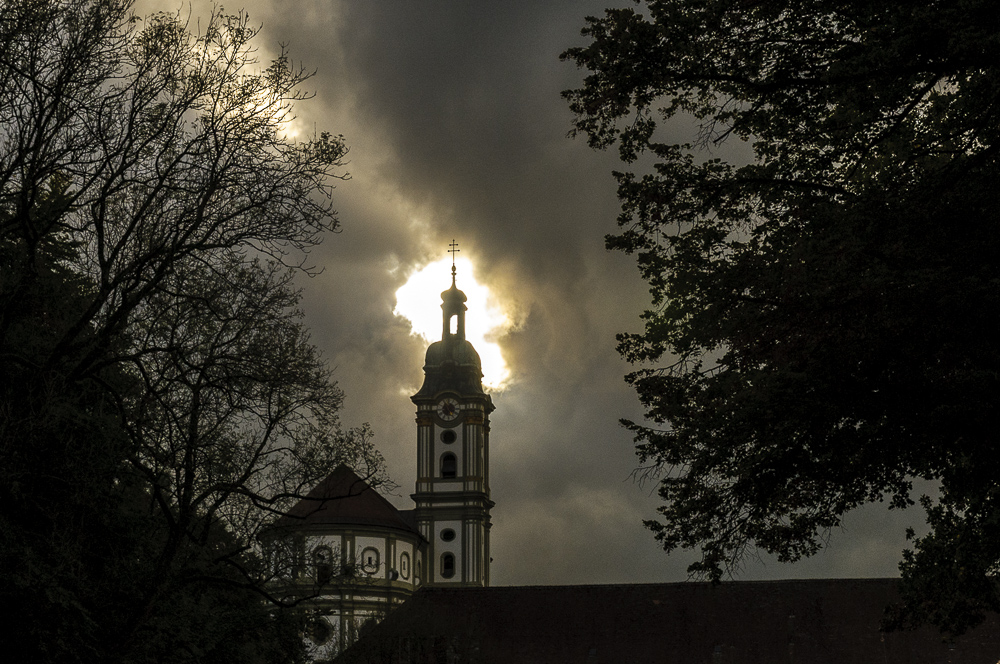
453	430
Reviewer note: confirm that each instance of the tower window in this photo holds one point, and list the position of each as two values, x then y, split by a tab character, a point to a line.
449	466
447	535
447	566
448	437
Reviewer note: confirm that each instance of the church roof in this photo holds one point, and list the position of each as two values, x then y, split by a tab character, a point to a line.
344	498
815	621
452	364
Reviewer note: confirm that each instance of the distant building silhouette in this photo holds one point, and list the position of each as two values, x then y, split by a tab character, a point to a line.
763	622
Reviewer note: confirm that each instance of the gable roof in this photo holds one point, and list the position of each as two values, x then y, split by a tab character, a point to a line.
805	621
344	498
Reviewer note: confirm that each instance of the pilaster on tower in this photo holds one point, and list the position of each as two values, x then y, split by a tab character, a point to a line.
452	491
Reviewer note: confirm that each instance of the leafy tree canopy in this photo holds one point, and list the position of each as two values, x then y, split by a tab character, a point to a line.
822	308
160	401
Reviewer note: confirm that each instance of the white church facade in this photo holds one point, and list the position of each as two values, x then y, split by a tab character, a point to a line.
354	555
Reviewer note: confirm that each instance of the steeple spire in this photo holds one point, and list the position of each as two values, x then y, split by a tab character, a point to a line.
454	250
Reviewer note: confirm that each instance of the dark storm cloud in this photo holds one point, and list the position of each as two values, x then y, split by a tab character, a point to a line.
457	130
467	95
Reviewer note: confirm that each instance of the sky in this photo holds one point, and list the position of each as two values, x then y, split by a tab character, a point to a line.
457	131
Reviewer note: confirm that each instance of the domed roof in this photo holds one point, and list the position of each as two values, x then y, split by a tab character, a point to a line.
451	365
458	351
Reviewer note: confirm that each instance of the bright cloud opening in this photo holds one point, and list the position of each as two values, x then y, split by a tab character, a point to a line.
419	301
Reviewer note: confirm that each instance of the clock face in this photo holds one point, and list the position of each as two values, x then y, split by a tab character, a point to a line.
447	409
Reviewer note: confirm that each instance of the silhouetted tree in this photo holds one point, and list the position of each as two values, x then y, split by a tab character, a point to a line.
159	398
823	299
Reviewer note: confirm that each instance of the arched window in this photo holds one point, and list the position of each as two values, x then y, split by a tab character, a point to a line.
447	566
449	465
323	562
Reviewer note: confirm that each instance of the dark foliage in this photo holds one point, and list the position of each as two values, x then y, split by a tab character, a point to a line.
159	398
823	312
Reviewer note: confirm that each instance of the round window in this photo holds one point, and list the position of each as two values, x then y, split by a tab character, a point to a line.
320	631
448	437
447	534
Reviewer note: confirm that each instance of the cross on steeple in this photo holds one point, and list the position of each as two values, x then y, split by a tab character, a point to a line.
454	250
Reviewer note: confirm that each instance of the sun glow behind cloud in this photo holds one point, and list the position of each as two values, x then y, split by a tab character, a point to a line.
419	301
